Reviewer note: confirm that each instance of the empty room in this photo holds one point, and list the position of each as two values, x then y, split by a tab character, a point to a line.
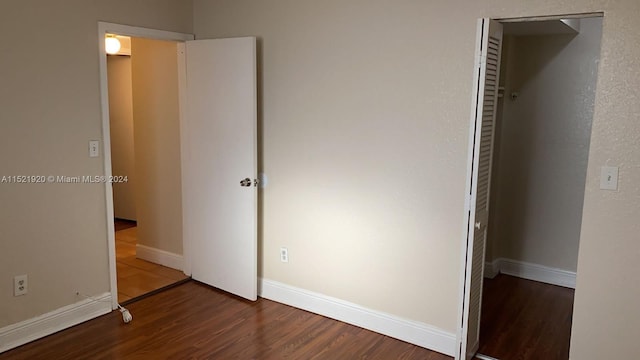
328	180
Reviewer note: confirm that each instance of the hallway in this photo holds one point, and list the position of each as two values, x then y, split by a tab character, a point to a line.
137	277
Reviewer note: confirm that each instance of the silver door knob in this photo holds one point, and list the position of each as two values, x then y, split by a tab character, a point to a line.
245	182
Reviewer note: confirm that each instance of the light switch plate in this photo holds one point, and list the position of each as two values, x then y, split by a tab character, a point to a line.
609	178
94	148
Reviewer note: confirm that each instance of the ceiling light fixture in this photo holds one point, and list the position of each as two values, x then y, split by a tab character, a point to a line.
111	44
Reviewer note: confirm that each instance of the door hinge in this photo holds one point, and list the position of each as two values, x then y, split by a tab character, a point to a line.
467	202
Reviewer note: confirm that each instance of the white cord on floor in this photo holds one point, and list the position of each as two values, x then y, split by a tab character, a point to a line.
126	315
484	357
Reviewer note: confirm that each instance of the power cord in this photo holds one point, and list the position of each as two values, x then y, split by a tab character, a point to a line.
126	315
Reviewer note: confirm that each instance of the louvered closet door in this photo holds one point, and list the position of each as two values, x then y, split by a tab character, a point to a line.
485	115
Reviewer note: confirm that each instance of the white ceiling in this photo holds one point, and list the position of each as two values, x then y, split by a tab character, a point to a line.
545	27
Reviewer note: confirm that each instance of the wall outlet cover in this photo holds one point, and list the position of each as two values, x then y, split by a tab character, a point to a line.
20	285
284	254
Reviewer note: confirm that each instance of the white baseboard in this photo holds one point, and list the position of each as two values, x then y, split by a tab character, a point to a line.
29	330
491	269
161	257
484	357
534	272
537	272
413	332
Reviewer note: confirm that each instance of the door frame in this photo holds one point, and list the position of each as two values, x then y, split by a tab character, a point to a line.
463	307
134	31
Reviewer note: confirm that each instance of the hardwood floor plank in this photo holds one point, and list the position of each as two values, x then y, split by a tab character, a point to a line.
521	319
194	321
121	224
137	277
524	319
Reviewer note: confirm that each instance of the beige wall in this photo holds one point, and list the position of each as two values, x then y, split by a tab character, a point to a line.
362	187
542	152
121	133
49	110
365	119
157	143
604	324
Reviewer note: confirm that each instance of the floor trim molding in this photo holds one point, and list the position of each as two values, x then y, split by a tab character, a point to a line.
484	357
413	332
531	271
161	257
14	335
491	268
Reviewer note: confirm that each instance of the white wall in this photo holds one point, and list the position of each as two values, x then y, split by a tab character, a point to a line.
157	144
365	120
121	132
543	147
49	110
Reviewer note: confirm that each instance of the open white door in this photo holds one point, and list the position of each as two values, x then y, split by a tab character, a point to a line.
488	49
219	164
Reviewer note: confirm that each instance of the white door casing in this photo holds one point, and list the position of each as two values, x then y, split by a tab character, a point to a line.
103	29
219	150
486	79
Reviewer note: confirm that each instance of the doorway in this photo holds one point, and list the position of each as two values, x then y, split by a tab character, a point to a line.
216	87
158	256
544	107
145	159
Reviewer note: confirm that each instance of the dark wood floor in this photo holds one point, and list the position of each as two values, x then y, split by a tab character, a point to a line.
194	321
121	224
523	319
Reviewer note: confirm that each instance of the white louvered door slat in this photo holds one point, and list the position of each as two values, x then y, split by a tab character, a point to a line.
485	110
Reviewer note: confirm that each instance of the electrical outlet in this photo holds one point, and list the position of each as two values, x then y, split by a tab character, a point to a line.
284	254
20	285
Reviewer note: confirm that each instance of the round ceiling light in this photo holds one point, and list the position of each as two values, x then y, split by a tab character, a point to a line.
112	45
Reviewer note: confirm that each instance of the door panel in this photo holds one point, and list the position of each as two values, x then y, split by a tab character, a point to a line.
220	150
484	117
